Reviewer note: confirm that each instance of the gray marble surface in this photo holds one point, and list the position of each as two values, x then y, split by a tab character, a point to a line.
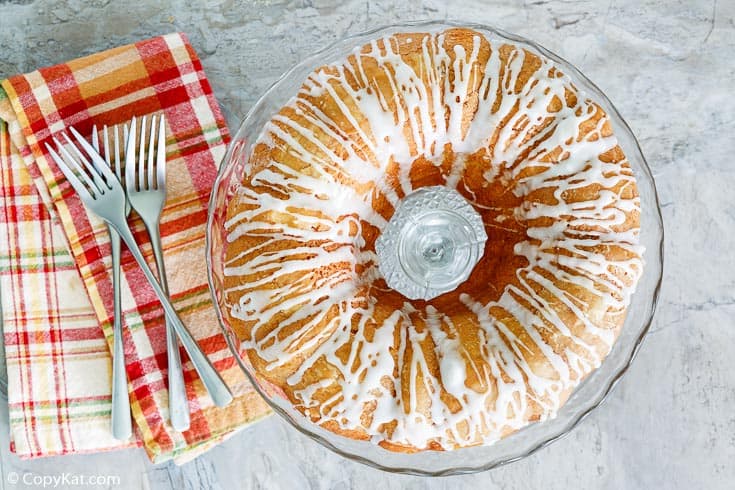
667	65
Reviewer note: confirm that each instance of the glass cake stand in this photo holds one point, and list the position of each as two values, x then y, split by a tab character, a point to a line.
588	395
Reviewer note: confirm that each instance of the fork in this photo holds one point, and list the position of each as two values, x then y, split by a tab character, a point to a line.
121	423
100	191
147	195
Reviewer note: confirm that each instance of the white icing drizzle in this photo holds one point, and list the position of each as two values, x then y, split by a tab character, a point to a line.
314	280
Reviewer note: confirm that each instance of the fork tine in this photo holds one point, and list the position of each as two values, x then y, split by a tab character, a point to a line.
119	151
116	151
95	147
130	156
161	154
151	153
106	143
77	184
82	163
141	154
74	149
69	160
99	164
95	138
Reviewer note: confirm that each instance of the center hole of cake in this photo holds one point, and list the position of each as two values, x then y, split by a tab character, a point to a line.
431	244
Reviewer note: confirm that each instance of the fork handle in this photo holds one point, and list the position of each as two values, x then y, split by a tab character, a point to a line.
211	379
178	402
122	427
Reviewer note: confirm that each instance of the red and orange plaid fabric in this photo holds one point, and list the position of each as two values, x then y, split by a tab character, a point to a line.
56	277
57	357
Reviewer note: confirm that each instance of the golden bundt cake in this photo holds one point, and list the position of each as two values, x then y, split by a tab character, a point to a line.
541	309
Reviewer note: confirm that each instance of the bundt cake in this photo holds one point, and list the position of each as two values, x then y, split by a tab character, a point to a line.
539	162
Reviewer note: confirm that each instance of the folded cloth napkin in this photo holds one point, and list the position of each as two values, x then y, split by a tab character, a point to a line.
56	277
58	362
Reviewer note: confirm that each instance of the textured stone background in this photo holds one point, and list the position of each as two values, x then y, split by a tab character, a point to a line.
667	65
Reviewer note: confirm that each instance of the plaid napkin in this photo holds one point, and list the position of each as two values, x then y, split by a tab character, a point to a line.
56	274
58	362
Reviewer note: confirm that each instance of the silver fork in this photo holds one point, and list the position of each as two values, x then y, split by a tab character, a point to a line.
121	423
100	191
147	194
